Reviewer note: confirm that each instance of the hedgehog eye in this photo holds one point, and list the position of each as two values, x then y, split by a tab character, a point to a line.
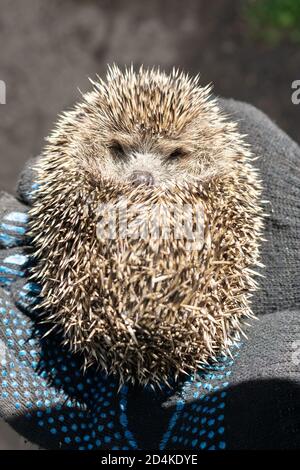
178	153
117	149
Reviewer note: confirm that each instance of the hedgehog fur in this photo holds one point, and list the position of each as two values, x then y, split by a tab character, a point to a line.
146	309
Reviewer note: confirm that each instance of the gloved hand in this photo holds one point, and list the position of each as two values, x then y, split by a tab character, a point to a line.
250	401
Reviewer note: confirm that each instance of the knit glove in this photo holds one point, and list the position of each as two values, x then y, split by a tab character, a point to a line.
249	401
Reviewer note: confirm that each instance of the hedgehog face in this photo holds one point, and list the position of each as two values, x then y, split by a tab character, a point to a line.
148	126
146	159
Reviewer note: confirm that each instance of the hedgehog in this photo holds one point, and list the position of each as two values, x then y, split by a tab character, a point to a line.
124	282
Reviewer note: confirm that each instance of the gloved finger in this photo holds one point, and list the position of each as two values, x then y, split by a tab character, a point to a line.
13	266
27	182
13	220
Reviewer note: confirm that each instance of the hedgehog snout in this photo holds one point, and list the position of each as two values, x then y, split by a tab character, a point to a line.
141	177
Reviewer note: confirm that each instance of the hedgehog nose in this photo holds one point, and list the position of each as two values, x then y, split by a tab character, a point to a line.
142	177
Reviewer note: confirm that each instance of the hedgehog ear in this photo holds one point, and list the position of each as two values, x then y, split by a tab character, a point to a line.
27	182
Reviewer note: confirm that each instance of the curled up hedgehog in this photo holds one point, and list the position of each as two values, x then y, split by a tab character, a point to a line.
146	227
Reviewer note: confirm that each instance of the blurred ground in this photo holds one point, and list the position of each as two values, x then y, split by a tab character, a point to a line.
48	49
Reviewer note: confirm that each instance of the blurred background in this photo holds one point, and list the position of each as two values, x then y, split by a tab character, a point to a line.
250	50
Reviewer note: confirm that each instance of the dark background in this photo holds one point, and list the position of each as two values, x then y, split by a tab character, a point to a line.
49	48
